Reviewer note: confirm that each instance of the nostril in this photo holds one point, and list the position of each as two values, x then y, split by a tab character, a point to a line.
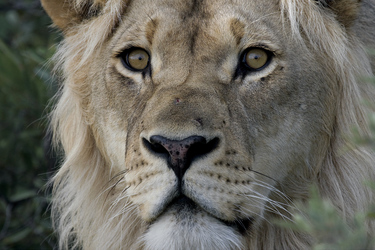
155	146
180	153
200	148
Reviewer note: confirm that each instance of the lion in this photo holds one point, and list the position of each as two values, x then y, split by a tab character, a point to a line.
195	124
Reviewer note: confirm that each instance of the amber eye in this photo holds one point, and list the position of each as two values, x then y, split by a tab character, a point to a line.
256	58
136	59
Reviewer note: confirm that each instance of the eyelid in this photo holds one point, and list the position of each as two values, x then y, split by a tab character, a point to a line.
275	50
119	51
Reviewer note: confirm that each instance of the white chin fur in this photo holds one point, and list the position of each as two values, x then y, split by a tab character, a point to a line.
190	231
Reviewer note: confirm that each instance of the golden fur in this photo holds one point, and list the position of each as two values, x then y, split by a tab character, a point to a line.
278	130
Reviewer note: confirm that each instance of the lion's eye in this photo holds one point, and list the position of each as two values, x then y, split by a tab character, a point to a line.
256	58
135	59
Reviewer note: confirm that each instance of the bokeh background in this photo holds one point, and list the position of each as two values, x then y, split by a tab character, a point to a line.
26	43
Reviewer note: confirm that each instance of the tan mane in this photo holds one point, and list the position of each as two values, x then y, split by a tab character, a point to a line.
350	62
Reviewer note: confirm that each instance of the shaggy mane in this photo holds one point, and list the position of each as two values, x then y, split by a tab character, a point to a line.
82	186
344	173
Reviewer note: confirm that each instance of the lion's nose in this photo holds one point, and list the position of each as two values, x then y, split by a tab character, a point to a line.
180	153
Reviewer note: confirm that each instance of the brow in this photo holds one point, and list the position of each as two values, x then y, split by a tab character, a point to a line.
238	29
150	29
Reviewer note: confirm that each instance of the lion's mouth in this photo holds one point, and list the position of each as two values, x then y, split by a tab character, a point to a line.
183	207
241	225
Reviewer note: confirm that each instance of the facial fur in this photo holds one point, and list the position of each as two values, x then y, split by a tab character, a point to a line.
198	150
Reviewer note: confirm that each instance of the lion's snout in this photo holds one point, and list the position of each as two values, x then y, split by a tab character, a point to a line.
180	153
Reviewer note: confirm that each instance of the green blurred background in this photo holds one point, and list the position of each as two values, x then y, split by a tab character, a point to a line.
26	85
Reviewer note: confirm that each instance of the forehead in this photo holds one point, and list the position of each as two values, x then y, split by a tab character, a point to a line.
191	22
204	8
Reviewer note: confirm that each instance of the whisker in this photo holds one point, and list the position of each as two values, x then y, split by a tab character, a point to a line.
265	203
245	210
113	187
274	203
122	172
264	175
274	208
275	190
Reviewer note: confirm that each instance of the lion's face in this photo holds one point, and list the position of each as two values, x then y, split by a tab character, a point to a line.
194	124
209	108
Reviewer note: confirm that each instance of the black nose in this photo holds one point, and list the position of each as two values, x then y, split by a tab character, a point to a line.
180	153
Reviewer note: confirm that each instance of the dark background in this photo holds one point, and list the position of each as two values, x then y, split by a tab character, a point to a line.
26	85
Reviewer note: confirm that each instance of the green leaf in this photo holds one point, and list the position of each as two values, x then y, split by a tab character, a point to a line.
9	55
22	195
17	236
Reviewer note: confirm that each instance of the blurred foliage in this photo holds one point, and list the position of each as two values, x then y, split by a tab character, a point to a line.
26	85
320	219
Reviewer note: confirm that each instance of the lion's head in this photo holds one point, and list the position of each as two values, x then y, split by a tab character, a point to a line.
193	124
